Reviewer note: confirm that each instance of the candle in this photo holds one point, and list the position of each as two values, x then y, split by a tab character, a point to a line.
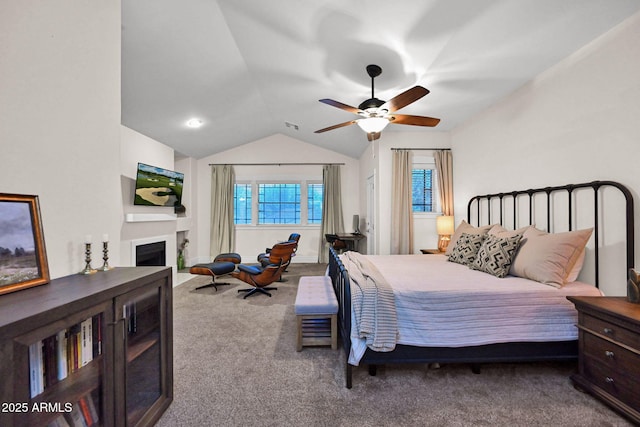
105	237
87	239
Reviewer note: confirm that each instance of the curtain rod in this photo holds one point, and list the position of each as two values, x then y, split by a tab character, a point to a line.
417	149
275	164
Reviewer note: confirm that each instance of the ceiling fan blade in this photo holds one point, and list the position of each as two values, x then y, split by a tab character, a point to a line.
405	98
342	106
372	136
336	126
404	119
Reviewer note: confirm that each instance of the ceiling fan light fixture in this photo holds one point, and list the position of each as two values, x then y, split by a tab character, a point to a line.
373	124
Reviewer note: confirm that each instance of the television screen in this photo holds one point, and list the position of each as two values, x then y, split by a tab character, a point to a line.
158	187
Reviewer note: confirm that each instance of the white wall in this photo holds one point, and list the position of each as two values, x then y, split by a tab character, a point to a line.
425	235
576	122
252	240
60	119
136	147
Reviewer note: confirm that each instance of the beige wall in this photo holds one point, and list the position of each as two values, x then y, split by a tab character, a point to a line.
60	120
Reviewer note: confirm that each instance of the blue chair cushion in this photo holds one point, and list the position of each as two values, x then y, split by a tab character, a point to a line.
217	268
251	269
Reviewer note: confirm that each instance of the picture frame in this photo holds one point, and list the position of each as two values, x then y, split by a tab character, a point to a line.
23	257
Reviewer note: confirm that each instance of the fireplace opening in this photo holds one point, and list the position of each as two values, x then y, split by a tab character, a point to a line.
151	254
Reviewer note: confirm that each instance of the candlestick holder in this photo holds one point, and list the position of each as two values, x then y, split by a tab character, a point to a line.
87	260
105	257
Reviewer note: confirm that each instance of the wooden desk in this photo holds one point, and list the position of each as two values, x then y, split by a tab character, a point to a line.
352	240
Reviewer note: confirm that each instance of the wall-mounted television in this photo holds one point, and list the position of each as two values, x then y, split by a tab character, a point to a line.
158	187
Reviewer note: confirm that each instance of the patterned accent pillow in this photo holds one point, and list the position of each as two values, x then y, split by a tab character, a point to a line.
496	254
466	248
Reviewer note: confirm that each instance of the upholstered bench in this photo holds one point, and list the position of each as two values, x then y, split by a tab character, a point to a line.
316	311
221	265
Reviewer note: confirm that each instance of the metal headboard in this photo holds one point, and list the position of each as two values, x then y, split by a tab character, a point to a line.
516	196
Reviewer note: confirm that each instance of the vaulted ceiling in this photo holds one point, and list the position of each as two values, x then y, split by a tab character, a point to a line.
253	68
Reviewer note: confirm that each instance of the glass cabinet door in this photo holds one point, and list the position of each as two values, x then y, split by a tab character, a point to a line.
144	354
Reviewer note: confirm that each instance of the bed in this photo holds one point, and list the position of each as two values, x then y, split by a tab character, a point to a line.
447	312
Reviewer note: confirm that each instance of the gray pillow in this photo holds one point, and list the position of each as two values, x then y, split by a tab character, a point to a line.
496	254
466	248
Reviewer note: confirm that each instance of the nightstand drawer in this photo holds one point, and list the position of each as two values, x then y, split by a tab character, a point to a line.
616	384
611	355
611	331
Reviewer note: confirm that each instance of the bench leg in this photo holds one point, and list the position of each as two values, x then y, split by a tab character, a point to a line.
334	331
299	339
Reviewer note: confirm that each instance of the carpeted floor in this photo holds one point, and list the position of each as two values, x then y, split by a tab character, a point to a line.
235	364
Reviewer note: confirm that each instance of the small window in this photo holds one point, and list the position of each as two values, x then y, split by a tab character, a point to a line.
314	203
278	203
242	203
422	190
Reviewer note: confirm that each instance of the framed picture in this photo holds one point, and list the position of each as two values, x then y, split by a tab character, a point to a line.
23	259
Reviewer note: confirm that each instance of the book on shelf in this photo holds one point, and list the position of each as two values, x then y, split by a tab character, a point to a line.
86	352
55	357
61	354
35	369
76	419
60	421
50	363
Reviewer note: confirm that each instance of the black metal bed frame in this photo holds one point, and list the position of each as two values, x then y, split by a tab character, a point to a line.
502	352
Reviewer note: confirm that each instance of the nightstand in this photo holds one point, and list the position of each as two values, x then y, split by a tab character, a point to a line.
432	251
609	351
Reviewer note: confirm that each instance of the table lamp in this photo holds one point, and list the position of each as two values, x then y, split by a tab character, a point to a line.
444	227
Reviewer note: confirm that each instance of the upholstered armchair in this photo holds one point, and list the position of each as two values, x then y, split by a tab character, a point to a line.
263	258
260	277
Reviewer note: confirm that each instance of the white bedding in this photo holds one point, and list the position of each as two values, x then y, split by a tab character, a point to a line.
444	304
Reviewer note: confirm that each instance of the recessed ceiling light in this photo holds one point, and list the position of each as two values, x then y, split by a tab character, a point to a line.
194	123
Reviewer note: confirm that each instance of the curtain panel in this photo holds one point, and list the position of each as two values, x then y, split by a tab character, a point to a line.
401	203
332	219
222	226
444	169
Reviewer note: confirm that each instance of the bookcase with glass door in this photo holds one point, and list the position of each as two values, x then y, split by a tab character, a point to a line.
88	350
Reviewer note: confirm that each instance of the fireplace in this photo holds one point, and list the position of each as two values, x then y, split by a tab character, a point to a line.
154	253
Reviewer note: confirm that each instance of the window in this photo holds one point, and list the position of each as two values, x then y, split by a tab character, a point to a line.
314	203
242	204
422	190
278	203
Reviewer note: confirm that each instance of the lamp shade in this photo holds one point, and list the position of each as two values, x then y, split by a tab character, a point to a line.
373	124
444	225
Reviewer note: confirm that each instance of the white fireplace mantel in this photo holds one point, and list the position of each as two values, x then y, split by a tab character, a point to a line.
150	217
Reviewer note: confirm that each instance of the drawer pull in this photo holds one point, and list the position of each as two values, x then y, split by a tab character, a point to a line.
609	380
609	354
608	331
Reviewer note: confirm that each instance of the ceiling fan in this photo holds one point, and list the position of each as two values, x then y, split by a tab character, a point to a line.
377	114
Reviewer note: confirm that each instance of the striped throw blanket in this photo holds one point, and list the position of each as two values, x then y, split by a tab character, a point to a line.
372	302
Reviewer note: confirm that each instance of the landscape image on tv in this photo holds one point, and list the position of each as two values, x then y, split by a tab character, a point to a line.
158	187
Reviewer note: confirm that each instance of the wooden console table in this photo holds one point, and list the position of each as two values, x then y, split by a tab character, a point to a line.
94	349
